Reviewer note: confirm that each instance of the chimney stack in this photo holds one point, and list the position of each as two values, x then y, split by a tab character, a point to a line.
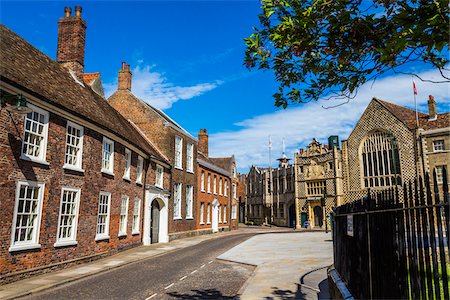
432	113
71	41
203	142
125	77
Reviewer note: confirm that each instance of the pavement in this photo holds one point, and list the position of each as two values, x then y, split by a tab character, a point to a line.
288	265
283	259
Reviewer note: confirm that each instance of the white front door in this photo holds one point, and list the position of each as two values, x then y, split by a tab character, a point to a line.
215	216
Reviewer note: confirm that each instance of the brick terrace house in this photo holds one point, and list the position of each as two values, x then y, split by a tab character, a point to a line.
213	196
386	147
72	170
176	144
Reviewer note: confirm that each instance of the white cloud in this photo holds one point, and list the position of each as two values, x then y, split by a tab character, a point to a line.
299	124
155	89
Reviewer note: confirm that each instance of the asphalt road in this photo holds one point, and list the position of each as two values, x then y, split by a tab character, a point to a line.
189	273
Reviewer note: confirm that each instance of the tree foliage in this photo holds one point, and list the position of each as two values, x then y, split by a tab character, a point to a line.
323	48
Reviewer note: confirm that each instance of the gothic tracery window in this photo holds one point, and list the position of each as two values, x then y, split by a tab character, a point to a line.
380	160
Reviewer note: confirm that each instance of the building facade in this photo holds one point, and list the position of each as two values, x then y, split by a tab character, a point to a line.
242	198
214	194
318	181
73	171
176	145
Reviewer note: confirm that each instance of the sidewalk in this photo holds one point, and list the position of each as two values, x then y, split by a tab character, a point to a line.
289	265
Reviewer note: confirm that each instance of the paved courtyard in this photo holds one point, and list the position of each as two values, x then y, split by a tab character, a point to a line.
283	261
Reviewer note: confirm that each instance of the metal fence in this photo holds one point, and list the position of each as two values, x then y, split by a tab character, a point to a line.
394	244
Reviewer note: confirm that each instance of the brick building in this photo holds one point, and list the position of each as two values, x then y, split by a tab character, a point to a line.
318	182
180	149
390	145
242	198
213	196
73	170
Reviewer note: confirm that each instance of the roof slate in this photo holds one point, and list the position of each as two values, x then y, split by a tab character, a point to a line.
27	68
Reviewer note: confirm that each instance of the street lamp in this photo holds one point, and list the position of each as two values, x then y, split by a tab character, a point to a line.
20	104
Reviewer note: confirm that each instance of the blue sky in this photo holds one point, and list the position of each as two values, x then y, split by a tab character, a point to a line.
186	58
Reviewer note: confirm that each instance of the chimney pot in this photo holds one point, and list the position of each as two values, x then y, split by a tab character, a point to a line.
78	11
67	11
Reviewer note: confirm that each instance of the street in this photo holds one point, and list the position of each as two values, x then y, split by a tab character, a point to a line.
189	273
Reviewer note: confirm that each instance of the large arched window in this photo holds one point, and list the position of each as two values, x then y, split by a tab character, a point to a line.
380	160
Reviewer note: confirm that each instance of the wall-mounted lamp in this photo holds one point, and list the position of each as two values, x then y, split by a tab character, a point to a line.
20	104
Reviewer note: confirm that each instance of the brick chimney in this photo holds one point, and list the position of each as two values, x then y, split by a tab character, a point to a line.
125	77
71	41
432	113
203	142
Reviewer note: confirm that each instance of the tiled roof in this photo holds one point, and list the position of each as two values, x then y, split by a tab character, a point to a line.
27	68
408	116
207	162
222	162
89	77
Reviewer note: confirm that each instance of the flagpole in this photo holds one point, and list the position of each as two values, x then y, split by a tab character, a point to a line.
415	101
270	180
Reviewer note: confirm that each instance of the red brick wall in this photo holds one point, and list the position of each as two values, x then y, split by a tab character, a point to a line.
91	182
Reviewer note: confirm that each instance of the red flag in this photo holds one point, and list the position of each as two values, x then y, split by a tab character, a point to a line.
415	88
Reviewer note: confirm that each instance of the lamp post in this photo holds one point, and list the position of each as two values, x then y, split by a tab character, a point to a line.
19	107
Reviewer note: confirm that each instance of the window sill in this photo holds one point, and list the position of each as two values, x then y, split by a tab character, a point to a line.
35	160
135	233
122	234
178	168
73	168
159	186
189	218
207	223
108	172
29	246
139	182
202	223
101	237
178	218
65	243
190	171
126	178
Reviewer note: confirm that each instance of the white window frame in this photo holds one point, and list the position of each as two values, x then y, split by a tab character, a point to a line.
177	201
209	183
139	169
159	176
104	235
127	164
441	145
72	240
234	191
220	213
79	158
189	201
109	170
208	213
34	242
215	185
202	213
233	212
136	216
225	190
178	153
220	186
202	181
123	222
439	174
41	158
189	158
225	214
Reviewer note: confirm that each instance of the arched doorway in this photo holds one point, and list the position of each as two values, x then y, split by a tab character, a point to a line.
215	216
318	216
154	224
292	216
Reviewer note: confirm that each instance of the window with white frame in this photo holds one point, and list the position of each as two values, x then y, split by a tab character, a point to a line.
209	183
102	232
123	216
439	174
224	213
139	169
225	190
34	146
215	185
127	164
177	201
233	212
202	213
438	145
220	213
189	200
202	181
108	156
208	214
159	176
234	191
220	186
190	157
27	215
136	216
178	152
74	146
68	217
